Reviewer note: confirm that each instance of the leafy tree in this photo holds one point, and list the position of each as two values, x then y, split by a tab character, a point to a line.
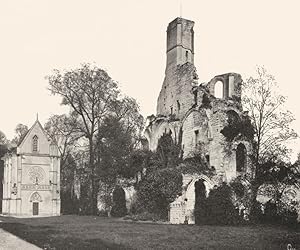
107	124
115	147
237	127
168	152
271	122
64	131
279	176
127	111
20	130
118	137
3	144
90	92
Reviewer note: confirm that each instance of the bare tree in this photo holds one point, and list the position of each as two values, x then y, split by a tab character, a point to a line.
272	126
271	121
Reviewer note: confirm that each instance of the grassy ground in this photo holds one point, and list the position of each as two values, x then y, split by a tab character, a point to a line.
87	232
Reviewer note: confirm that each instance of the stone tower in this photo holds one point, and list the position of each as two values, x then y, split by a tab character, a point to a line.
195	117
180	42
175	97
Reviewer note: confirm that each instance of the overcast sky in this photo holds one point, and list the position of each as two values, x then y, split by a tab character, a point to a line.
128	39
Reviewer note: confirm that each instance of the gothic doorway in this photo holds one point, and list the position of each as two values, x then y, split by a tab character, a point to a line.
200	201
35	208
119	202
35	199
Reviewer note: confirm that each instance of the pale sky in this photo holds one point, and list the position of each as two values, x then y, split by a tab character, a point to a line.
128	39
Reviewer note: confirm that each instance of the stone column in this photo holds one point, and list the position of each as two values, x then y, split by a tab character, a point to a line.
19	182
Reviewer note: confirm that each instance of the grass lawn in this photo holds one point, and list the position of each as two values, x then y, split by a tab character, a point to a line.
88	232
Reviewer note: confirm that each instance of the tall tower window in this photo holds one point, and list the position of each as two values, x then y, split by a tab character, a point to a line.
196	137
35	143
195	97
178	105
219	90
186	55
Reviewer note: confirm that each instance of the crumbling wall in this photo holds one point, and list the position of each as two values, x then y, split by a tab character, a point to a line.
176	96
182	209
231	85
195	133
184	106
158	127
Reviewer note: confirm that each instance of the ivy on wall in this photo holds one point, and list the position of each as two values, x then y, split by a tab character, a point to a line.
236	127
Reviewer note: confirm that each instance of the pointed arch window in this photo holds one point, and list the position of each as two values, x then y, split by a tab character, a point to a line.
35	143
241	158
35	197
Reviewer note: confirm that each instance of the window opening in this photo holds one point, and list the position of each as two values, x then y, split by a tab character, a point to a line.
35	142
219	90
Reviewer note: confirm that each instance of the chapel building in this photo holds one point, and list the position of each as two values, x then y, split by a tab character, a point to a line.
31	180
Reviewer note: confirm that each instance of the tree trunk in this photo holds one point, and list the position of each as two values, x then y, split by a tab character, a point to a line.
254	190
93	179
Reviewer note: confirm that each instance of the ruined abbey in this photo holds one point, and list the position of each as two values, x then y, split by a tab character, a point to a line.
195	114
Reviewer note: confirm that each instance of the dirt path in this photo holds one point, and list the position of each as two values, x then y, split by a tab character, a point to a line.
9	241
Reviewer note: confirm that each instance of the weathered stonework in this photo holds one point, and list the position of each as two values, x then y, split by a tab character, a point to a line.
193	113
31	183
105	194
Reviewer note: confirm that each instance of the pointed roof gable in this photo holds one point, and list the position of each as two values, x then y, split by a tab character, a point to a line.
26	135
25	145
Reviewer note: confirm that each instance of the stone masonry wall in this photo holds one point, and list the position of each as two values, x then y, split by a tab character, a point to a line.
176	97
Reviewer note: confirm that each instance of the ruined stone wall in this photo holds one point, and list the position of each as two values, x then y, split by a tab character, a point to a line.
195	133
157	128
183	105
176	96
182	209
231	85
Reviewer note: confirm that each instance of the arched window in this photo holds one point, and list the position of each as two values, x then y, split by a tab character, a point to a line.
35	197
200	198
232	117
241	158
219	89
35	143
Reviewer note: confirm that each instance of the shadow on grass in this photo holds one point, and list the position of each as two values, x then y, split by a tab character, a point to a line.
47	237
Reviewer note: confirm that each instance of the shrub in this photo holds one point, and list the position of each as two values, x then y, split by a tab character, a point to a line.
256	214
270	214
238	126
157	190
288	217
279	213
220	209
